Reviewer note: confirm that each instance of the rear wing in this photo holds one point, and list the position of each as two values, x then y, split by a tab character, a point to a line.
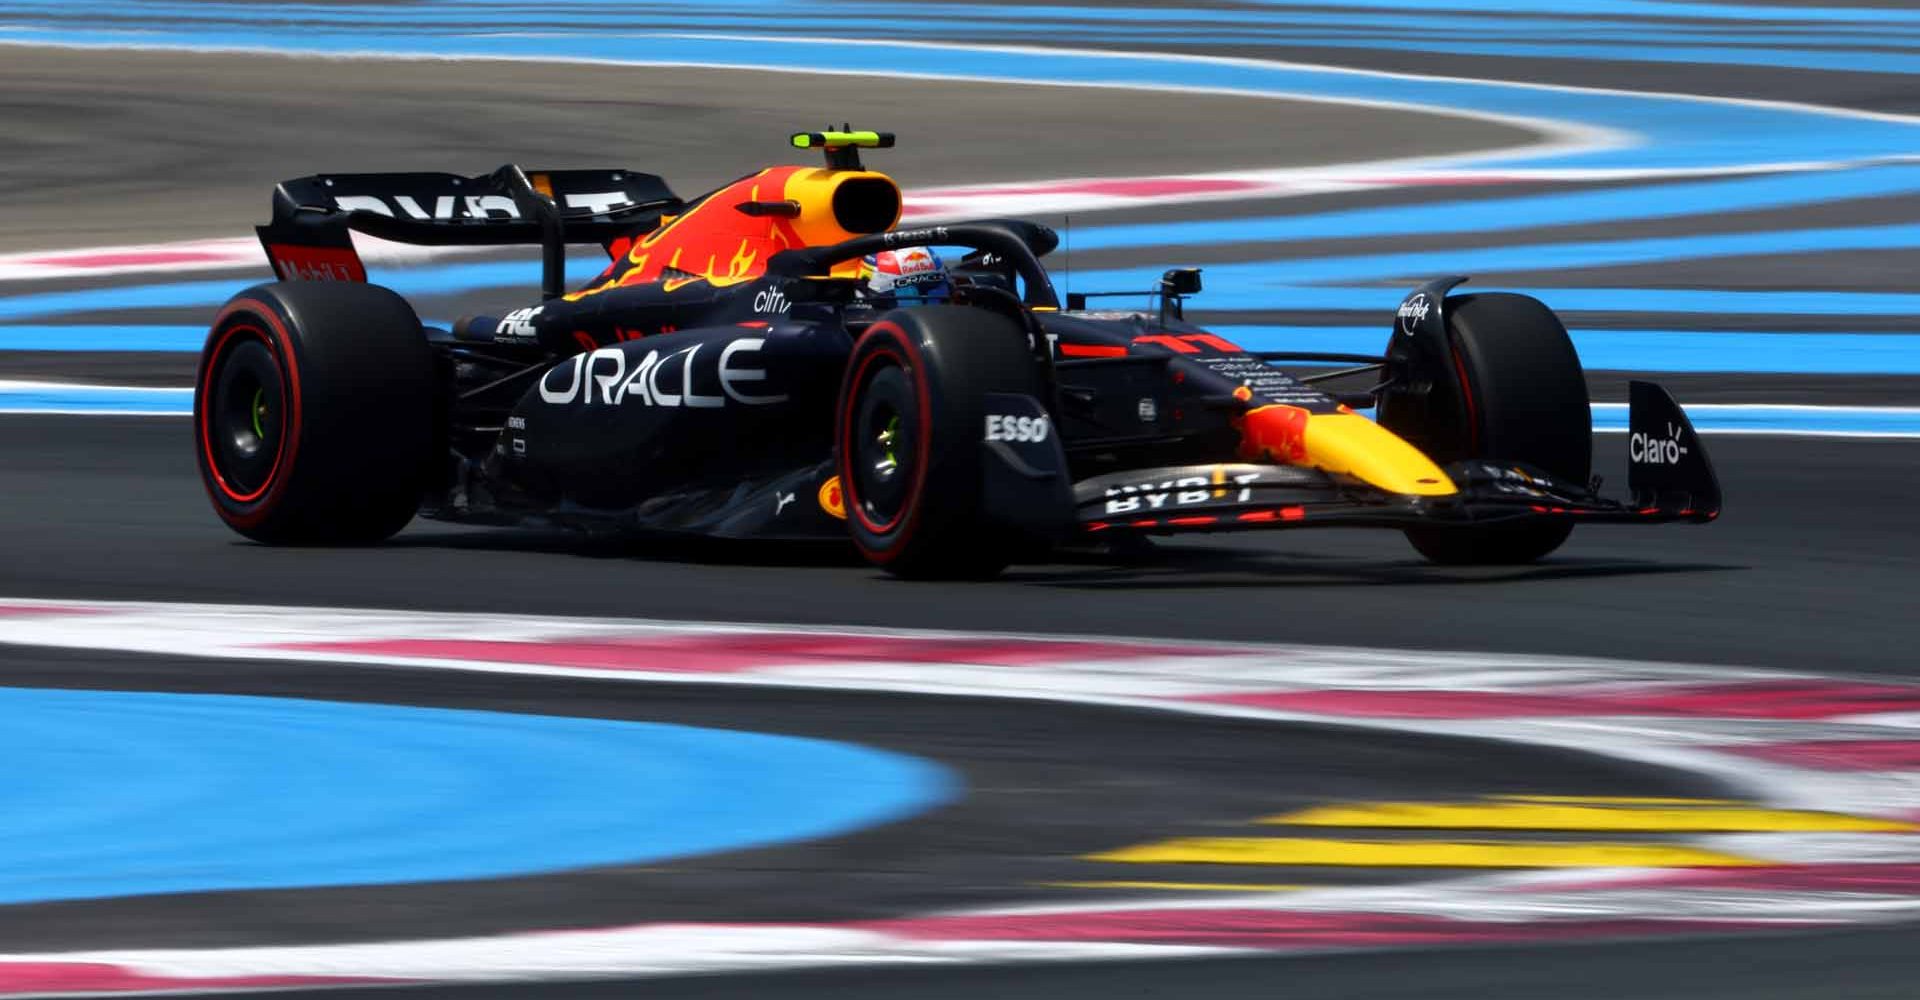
310	236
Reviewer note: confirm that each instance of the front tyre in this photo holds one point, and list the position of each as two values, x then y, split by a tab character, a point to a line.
1525	401
313	413
909	433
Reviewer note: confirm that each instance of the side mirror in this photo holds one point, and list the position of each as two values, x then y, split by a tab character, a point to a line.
1181	281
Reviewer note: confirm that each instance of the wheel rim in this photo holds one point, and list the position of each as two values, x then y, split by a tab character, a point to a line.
246	418
885	446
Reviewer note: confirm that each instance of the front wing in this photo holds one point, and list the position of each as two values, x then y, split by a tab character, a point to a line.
1245	497
1669	478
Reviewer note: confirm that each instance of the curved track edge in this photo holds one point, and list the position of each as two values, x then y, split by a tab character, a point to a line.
1787	740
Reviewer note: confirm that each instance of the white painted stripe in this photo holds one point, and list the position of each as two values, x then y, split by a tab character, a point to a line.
1820	848
1157	678
930	205
677	949
1787	430
1781	419
258	632
33	411
212	255
18	397
42	385
657	950
1889	720
246	630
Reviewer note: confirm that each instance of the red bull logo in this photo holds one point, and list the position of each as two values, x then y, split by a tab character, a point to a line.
832	500
1274	433
912	267
907	261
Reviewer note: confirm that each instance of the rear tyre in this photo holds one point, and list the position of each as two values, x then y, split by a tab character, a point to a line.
313	413
908	439
1525	401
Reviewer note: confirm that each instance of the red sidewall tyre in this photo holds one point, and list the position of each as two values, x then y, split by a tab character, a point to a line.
344	394
242	320
908	439
885	344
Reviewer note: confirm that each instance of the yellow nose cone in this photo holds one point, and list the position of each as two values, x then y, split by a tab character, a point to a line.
1343	443
1350	444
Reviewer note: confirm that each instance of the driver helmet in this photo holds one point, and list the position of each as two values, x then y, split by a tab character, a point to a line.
908	276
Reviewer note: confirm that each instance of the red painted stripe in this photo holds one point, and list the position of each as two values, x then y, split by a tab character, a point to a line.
1126	187
93	977
40	610
722	653
1839	755
1760	700
1257	928
134	258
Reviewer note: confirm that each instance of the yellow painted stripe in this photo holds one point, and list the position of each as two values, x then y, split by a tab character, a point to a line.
1420	854
1181	886
1616	818
1622	800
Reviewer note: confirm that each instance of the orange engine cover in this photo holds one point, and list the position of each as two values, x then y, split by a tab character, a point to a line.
716	242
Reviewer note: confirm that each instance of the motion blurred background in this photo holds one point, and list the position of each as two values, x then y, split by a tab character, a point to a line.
1719	196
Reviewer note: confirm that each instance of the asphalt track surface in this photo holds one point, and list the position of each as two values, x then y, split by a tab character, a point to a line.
1808	569
110	508
1044	786
192	140
1811	568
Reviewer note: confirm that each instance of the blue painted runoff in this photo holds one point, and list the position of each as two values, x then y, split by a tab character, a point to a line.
1561	208
1789	25
99	337
1294	282
1240	281
47	397
1650	350
1861	420
110	793
1600	350
1664	130
1853	421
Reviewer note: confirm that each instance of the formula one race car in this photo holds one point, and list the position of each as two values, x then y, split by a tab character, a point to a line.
732	373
